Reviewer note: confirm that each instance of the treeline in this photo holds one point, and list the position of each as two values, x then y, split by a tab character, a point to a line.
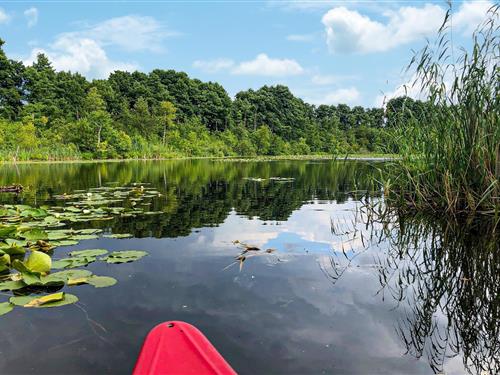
46	114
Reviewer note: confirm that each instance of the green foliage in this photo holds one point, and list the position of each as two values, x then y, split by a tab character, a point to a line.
48	115
450	151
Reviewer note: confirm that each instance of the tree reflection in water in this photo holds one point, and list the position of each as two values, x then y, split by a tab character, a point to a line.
443	275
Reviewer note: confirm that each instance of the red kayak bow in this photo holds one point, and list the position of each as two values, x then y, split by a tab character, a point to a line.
178	348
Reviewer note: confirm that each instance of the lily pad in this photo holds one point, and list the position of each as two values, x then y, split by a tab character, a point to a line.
96	281
39	262
51	300
88	253
125	256
64	243
35	234
80	237
5	307
12	285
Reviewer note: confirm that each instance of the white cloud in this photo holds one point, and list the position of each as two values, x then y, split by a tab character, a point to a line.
300	37
4	17
470	15
31	16
330	79
264	66
213	66
81	55
349	95
131	33
349	31
84	50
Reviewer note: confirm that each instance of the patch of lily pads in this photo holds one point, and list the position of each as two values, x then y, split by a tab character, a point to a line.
29	236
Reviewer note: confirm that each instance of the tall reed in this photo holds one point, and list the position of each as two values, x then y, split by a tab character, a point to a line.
450	152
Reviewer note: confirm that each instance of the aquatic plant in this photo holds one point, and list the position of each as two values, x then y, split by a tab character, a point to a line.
29	236
451	151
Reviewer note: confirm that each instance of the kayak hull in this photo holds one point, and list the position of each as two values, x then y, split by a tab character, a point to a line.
178	348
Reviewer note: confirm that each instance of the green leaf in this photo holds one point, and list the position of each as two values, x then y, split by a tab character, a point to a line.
88	253
62	263
13	249
4	258
64	243
73	262
39	262
33	212
7	230
53	300
101	281
79	237
68	274
125	256
12	285
5	307
89	231
96	281
35	234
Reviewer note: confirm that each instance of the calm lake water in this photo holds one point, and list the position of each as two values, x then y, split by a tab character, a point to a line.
342	293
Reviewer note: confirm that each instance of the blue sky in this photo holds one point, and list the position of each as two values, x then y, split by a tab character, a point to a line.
326	51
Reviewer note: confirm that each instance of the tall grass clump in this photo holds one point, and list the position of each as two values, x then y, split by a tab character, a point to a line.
450	152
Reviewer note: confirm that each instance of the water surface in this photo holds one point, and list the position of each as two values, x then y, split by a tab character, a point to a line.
340	293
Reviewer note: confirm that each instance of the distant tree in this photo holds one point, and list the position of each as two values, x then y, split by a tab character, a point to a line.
168	111
11	86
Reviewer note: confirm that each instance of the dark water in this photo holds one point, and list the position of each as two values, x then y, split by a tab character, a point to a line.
344	293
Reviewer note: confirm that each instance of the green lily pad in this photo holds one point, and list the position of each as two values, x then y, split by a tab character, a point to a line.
35	234
89	231
5	307
83	237
55	300
4	258
88	253
64	243
96	281
61	277
12	285
12	249
125	256
7	230
33	212
39	262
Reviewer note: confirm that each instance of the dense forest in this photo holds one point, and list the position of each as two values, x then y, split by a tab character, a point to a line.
47	114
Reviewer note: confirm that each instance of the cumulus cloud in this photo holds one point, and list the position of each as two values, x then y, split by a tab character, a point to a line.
84	50
131	33
262	65
31	16
265	66
349	31
470	15
330	79
81	55
4	16
213	66
349	95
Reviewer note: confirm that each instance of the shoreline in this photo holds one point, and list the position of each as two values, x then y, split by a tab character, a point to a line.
354	157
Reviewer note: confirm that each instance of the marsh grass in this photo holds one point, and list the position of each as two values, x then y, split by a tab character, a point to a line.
450	153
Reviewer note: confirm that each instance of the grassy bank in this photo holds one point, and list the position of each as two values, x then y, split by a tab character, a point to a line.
450	155
361	156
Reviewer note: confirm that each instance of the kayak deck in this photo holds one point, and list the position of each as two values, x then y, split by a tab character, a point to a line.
178	348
